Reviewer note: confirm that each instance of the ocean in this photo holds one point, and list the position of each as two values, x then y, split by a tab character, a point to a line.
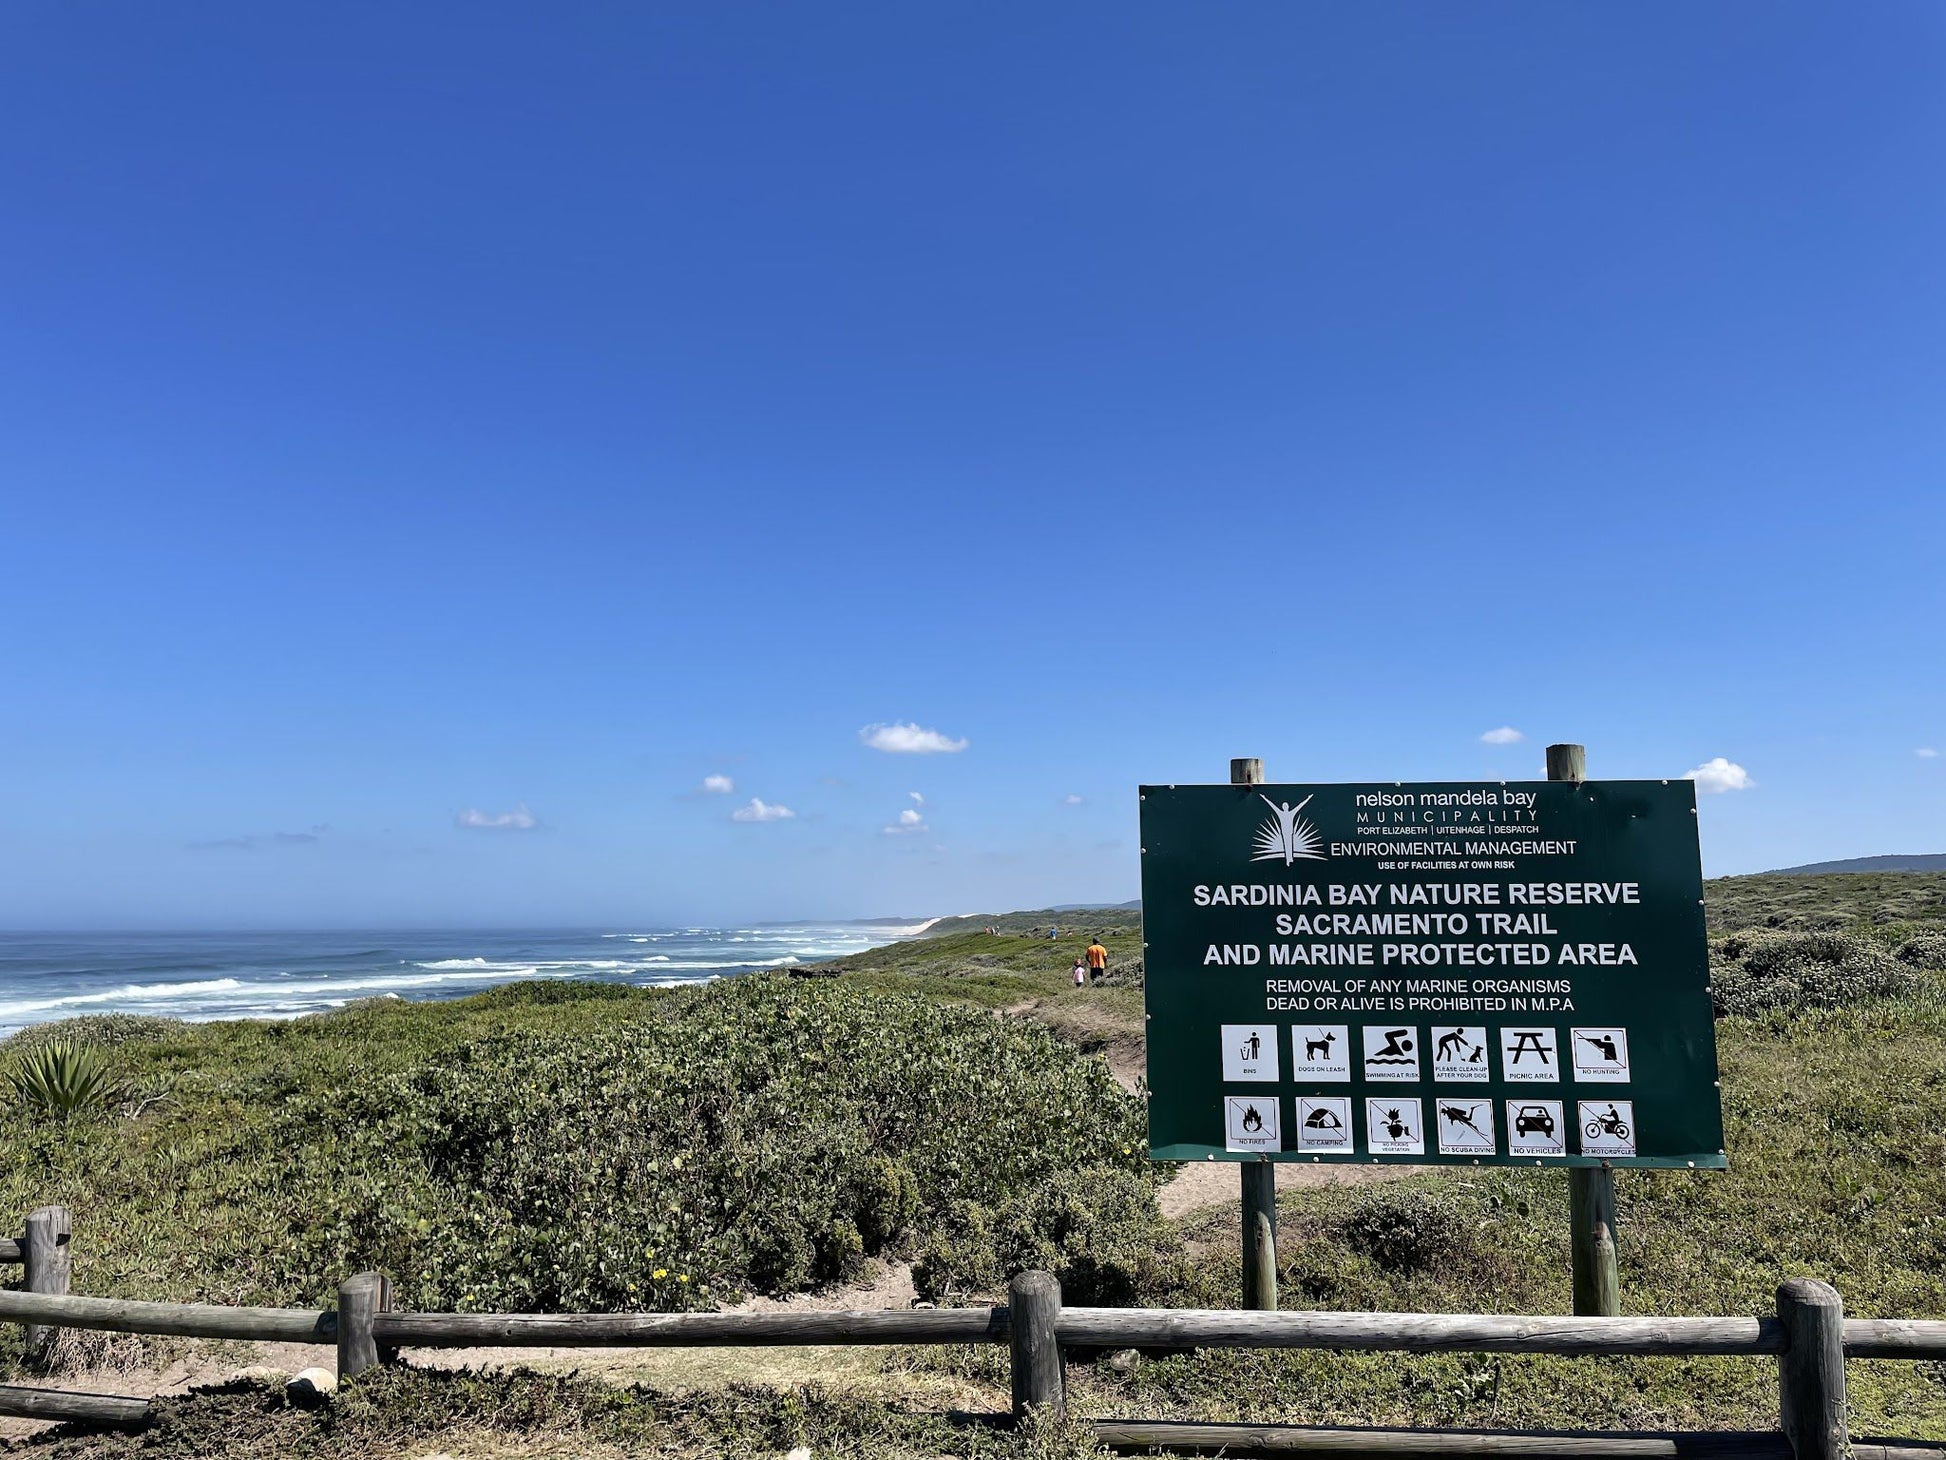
202	976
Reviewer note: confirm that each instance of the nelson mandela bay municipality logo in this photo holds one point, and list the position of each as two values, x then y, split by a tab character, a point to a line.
1286	836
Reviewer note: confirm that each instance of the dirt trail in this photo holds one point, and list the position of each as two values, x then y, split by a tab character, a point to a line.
1205	1184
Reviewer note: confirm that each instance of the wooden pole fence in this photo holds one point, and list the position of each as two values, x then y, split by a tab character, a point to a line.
1038	1370
46	1255
1811	1369
1809	1337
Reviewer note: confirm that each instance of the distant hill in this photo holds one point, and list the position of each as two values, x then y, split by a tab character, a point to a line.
1920	862
1125	918
1134	906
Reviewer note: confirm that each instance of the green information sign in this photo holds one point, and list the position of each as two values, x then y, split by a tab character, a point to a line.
1478	973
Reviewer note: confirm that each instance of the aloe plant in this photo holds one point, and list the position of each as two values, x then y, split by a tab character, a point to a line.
63	1079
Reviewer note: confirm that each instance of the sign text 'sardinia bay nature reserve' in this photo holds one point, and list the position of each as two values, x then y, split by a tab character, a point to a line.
1469	973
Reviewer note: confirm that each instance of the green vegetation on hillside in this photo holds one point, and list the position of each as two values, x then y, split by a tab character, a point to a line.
551	1146
1858	902
1068	922
943	1100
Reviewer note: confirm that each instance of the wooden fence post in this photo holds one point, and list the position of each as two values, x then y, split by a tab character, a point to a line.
48	1258
1811	1369
1259	1177
360	1300
1039	1375
1591	1189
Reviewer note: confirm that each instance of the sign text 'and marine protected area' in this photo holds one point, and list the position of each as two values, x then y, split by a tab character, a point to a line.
1480	973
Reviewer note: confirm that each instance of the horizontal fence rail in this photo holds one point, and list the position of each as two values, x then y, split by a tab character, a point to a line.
68	1406
175	1320
1864	1338
1809	1338
689	1330
1308	1440
1420	1333
1368	1444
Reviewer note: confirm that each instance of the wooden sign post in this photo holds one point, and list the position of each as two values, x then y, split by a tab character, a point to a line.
1259	1177
1591	1189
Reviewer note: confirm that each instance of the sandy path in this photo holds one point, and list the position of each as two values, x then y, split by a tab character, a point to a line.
888	1288
1205	1184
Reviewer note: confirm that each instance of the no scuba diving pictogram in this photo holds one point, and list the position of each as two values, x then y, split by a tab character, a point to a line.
1465	1126
1391	1053
1250	1123
1393	1127
1324	1123
1600	1056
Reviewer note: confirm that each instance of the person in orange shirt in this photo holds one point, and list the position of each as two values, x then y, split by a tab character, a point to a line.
1097	959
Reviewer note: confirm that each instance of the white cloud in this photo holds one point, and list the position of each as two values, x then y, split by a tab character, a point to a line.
1718	775
1505	735
917	799
762	810
718	785
1926	752
518	819
1071	800
909	740
909	821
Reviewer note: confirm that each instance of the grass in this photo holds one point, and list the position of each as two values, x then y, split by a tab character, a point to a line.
1025	975
1836	1119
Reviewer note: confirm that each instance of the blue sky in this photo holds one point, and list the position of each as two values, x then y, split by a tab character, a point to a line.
433	440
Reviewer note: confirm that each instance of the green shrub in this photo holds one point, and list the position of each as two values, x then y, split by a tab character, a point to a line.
1404	1230
61	1080
1753	972
765	1132
1924	950
539	992
104	1030
1096	1229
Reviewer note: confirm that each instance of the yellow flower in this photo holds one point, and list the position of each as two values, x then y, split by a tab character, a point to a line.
682	1277
662	1272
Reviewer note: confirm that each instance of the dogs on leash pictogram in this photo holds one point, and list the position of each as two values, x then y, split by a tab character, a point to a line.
1321	1052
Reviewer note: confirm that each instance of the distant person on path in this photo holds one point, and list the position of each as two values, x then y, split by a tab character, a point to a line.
1053	932
1097	958
1080	973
